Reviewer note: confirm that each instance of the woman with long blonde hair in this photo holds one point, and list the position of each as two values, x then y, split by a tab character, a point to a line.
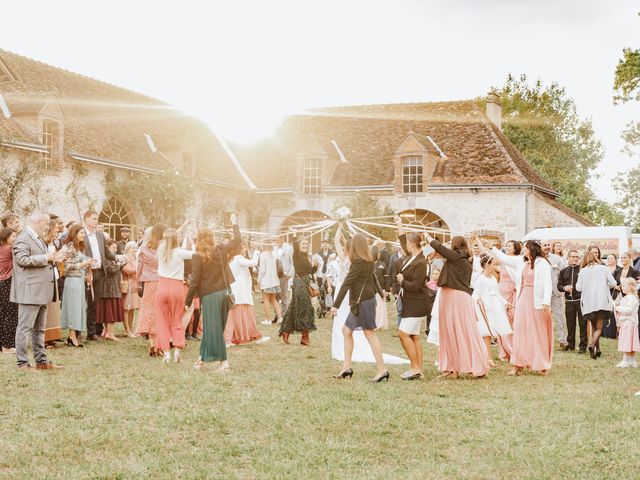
171	294
211	280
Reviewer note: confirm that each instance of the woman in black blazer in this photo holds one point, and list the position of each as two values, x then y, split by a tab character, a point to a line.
412	279
462	349
210	280
362	285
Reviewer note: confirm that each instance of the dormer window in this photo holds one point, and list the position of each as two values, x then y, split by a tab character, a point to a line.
49	139
312	176
412	174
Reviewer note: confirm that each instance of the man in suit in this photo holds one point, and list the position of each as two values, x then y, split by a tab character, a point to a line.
95	249
32	288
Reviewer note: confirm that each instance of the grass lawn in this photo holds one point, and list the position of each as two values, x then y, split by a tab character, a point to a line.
116	413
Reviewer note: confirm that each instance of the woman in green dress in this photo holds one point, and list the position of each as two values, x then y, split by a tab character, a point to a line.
210	281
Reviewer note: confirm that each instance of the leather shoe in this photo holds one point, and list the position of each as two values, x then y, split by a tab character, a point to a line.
48	366
92	338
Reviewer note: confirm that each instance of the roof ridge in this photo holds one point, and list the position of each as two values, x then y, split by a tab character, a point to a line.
80	75
400	104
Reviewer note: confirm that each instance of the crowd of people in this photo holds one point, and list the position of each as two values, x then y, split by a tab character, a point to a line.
174	285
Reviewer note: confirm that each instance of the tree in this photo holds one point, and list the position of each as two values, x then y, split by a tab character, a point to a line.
21	182
164	197
82	199
626	88
543	123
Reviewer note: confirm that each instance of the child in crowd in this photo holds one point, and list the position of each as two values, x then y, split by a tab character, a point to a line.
627	312
432	317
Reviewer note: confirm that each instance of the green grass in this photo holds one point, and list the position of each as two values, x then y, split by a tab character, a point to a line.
116	413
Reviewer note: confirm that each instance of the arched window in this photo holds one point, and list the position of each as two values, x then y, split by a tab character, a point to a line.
412	174
426	219
302	218
114	216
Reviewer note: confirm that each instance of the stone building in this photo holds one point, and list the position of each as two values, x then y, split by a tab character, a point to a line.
67	122
446	165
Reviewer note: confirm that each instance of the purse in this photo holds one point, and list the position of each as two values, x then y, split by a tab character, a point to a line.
141	284
231	299
124	286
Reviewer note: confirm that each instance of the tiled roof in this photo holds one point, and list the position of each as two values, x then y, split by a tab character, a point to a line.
105	121
477	152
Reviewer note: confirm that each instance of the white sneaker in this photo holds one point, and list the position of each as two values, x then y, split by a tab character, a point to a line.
279	322
623	364
633	364
167	357
436	363
229	345
262	340
176	355
266	322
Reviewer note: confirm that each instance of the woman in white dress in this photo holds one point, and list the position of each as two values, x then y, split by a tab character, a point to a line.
491	310
361	349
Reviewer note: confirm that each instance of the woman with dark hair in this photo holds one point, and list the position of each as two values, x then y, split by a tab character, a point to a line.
300	316
594	282
532	327
147	273
109	310
241	322
8	310
461	347
211	280
412	279
362	285
73	317
510	282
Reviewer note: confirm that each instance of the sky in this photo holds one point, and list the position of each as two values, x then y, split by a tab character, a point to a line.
241	65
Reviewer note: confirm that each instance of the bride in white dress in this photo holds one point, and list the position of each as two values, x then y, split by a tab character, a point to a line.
361	349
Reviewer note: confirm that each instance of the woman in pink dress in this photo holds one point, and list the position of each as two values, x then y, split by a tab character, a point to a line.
532	326
507	285
147	273
462	349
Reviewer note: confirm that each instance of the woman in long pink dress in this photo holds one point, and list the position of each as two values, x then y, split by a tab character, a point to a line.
462	349
532	325
507	284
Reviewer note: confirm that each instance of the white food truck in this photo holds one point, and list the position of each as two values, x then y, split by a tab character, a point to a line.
609	239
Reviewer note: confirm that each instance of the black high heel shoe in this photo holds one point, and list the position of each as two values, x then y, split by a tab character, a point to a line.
345	374
71	344
384	376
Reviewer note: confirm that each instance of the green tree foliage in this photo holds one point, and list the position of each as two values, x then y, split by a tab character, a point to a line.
626	88
543	122
21	182
162	198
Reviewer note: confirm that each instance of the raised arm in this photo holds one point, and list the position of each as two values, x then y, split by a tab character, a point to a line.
444	251
237	237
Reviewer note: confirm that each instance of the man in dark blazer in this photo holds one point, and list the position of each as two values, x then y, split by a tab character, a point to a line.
95	248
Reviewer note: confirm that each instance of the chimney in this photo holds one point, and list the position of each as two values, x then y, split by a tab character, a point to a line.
494	109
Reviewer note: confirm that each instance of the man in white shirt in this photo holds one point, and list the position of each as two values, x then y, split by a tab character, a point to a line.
95	249
557	297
